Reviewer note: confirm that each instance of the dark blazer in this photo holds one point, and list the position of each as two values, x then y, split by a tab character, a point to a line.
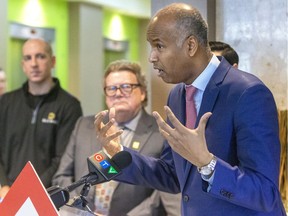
242	133
83	143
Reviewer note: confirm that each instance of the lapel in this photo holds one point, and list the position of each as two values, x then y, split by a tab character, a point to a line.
142	132
209	100
90	146
177	103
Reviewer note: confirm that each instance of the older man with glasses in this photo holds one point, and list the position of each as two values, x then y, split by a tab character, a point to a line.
126	91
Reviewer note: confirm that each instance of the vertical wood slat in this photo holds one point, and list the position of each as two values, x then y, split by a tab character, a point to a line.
282	115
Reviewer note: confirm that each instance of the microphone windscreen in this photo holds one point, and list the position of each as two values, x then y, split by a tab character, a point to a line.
122	159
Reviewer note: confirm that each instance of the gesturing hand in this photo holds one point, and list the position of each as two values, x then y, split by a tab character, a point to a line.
107	134
189	143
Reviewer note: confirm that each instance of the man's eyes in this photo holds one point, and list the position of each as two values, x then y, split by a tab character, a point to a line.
125	86
111	88
159	46
26	58
38	56
41	56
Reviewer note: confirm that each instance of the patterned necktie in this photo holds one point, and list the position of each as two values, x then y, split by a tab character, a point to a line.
191	113
103	195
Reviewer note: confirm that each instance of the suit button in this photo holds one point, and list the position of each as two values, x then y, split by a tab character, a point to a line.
227	194
185	198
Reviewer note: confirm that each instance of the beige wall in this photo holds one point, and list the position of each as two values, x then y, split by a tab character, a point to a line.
258	32
86	56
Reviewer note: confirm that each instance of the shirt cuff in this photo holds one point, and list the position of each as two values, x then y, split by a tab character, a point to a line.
209	179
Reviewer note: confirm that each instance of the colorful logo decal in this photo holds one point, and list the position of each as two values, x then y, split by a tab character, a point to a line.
104	164
98	157
112	170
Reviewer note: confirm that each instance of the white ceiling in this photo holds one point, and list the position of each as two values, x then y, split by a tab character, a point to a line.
137	8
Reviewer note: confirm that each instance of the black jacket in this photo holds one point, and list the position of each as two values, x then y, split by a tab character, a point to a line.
36	129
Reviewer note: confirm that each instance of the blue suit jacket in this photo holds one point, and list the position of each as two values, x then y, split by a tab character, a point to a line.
242	133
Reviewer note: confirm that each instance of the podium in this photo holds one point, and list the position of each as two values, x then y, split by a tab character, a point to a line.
28	196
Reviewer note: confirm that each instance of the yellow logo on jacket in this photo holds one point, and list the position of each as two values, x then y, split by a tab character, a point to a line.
135	145
51	118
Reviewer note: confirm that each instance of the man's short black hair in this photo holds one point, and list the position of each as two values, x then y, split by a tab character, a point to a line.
226	51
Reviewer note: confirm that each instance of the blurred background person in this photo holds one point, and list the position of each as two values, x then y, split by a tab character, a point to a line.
36	120
223	49
2	82
125	89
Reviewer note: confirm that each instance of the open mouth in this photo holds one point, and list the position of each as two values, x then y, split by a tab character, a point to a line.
160	71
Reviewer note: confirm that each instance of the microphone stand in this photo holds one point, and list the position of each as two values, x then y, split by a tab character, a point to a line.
91	178
60	196
80	201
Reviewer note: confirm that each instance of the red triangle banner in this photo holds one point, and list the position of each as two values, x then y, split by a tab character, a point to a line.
27	196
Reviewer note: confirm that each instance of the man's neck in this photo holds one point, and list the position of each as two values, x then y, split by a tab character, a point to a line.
41	88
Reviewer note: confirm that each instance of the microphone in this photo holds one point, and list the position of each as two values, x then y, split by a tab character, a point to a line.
101	169
106	168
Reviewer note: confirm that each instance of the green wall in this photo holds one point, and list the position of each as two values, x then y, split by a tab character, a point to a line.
39	13
54	14
129	31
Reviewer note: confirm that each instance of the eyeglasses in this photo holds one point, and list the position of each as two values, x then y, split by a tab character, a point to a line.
126	89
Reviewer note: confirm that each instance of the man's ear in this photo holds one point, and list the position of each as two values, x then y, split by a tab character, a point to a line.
192	45
235	65
53	59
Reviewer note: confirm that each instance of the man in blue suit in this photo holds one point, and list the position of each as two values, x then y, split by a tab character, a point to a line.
228	164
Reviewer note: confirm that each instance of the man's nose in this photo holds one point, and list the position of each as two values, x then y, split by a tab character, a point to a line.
118	92
34	61
152	56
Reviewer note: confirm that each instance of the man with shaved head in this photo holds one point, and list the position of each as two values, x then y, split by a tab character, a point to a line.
36	120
